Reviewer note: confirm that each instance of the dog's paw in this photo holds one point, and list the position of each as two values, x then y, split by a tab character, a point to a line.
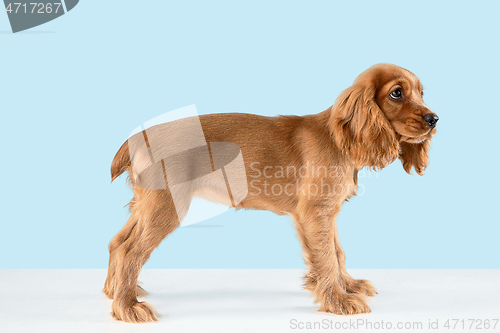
364	287
345	304
139	312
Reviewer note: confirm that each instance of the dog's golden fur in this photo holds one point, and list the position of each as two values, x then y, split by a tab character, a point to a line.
366	127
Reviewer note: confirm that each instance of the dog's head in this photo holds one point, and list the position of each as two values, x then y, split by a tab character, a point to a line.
381	117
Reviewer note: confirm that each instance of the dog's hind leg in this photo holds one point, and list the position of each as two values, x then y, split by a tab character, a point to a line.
116	242
157	217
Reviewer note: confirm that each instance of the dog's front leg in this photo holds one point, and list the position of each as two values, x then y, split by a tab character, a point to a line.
315	220
348	283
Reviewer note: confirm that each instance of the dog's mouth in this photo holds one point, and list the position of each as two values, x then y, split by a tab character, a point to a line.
417	139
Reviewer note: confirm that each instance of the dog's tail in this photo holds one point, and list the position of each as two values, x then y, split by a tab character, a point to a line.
121	162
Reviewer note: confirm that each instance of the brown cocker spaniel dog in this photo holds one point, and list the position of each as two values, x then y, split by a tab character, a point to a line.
379	118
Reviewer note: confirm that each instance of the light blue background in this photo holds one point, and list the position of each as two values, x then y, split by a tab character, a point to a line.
70	97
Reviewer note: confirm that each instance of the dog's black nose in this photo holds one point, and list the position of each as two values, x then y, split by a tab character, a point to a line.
431	119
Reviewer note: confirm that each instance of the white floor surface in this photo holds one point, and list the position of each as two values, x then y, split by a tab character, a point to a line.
237	300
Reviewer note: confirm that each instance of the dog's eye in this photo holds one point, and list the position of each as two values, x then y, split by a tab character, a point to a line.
396	94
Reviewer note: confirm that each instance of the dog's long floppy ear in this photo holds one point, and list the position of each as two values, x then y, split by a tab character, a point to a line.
415	155
361	129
